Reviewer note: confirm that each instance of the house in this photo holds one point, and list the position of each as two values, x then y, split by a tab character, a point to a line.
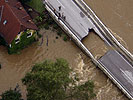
14	22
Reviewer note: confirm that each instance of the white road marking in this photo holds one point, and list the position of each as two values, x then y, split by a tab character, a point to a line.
60	3
124	59
124	73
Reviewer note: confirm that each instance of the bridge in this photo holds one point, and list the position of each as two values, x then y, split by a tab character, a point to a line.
76	18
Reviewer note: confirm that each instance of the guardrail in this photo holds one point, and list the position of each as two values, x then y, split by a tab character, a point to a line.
71	32
103	28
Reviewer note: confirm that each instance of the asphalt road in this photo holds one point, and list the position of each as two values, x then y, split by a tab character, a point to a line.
74	16
120	69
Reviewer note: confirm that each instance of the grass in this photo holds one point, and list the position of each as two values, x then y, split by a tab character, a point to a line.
37	5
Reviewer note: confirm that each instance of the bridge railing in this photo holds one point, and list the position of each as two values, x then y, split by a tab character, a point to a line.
104	29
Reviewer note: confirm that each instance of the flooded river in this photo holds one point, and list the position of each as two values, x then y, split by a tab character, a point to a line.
116	14
118	17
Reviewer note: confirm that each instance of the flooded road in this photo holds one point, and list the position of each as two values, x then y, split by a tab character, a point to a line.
116	14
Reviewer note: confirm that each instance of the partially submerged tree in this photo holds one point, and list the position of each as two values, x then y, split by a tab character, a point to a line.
11	95
51	81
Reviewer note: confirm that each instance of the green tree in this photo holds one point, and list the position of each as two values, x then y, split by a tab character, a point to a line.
11	95
51	81
84	91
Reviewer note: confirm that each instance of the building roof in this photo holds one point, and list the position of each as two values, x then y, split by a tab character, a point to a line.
13	19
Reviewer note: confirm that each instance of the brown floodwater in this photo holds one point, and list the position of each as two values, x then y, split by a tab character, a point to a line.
95	45
15	66
118	17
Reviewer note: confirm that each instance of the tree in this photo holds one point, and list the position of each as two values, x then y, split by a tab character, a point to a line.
51	81
84	91
11	95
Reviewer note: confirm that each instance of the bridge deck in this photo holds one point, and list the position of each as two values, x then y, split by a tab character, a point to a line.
74	16
120	69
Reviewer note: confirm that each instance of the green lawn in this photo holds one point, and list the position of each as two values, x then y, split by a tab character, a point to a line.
37	5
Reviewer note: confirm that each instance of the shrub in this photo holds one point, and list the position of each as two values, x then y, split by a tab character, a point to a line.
11	95
24	42
39	35
65	38
39	19
46	26
55	26
59	33
42	15
50	21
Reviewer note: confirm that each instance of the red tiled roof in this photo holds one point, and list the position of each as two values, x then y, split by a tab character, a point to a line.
0	9
0	12
16	19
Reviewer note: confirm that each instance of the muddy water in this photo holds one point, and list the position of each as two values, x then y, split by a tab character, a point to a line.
104	88
117	16
14	67
95	44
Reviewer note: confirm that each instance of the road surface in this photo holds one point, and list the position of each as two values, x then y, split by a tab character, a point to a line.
120	69
75	17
